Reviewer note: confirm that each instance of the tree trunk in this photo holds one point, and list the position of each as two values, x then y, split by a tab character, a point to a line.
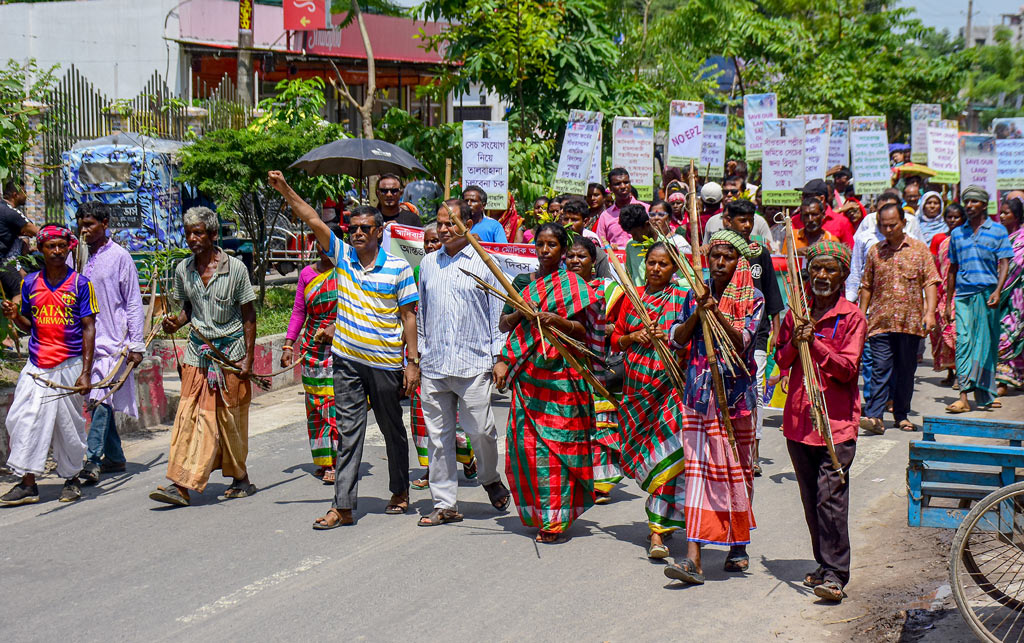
365	108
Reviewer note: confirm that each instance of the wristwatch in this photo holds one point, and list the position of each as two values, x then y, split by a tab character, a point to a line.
414	360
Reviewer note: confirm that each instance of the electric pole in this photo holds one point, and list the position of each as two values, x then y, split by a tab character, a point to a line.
244	70
968	36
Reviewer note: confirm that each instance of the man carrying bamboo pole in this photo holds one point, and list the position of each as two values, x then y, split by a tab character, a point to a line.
119	340
834	333
719	478
211	426
58	308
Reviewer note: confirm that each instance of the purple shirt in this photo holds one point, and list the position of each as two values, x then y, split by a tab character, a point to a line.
608	227
120	319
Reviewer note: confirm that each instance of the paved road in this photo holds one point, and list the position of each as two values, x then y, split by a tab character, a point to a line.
118	566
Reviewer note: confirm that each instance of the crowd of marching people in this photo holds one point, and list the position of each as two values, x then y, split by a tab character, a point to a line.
638	347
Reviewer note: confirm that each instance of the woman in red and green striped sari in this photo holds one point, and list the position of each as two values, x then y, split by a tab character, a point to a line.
551	420
316	301
601	318
650	416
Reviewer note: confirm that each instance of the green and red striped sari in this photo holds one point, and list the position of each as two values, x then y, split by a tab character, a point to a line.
605	442
549	462
321	295
463	449
650	416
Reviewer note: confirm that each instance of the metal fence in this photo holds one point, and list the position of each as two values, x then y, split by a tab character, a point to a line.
79	111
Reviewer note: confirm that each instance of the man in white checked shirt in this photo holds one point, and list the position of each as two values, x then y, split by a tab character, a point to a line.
458	341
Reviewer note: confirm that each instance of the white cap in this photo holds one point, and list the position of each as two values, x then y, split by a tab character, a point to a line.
711	193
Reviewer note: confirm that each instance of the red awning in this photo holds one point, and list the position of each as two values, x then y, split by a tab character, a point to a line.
396	39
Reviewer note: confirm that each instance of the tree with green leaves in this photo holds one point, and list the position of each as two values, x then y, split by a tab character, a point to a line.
21	85
231	165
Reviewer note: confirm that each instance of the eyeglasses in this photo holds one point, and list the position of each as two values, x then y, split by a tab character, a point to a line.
388	190
362	227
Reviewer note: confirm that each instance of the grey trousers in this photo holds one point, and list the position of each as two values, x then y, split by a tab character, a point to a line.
353	383
470	397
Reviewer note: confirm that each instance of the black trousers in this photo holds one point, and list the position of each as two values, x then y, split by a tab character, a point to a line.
894	363
353	383
826	503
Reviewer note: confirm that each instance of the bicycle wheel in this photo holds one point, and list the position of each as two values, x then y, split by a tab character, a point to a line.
986	566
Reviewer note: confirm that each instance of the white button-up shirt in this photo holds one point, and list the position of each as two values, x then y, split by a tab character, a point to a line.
457	324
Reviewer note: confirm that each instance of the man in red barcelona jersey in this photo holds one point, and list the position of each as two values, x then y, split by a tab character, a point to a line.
58	309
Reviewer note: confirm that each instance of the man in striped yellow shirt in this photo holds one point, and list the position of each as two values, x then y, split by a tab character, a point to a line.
375	326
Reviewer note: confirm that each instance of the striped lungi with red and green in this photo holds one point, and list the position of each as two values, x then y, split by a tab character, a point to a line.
463	449
651	417
549	460
321	296
605	442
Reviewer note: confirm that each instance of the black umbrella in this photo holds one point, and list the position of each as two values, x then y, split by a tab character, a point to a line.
358	157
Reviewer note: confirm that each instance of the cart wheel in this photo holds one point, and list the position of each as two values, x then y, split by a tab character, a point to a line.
986	566
284	267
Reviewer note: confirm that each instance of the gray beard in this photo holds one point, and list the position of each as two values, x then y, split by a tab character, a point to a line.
827	291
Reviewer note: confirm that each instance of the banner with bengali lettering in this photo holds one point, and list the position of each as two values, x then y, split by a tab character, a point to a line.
633	149
782	161
979	164
920	115
712	149
757	108
869	152
944	151
575	162
485	160
816	144
1009	134
839	144
685	132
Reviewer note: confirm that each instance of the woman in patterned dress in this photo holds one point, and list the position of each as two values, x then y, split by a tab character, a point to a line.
316	297
944	336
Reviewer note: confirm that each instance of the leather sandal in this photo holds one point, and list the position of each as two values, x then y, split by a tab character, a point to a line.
399	504
440	517
340	517
958	407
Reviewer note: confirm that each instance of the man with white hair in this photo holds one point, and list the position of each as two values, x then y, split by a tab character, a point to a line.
211	427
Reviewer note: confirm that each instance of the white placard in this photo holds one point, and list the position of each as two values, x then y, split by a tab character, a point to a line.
920	114
944	151
978	164
582	136
633	149
756	109
485	160
816	144
839	143
1009	134
869	151
782	161
712	150
685	132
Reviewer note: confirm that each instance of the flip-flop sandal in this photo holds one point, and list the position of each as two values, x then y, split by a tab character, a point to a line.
657	552
170	496
470	470
602	497
440	517
397	505
907	425
323	523
830	591
686	571
329	478
422	483
549	538
239	491
737	564
813	579
996	404
499	496
958	407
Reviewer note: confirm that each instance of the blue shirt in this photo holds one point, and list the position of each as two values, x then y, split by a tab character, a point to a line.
977	255
490	231
457	323
368	328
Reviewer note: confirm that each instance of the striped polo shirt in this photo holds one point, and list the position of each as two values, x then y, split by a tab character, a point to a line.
977	255
368	328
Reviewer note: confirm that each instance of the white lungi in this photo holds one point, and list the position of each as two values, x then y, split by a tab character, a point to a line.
35	422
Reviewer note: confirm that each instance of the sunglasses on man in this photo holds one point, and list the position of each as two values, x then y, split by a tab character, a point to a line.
365	228
388	190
